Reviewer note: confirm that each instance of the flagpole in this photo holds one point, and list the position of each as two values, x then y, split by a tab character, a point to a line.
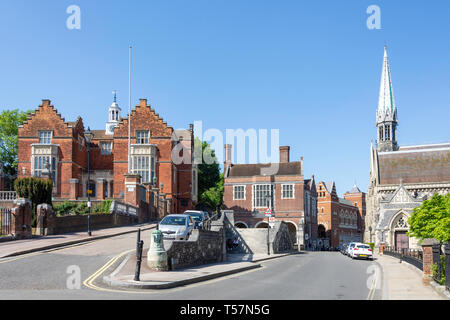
129	115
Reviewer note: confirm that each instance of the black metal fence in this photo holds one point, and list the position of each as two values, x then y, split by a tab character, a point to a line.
447	265
5	221
414	257
437	259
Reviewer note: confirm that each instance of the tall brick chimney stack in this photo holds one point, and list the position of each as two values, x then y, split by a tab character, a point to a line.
284	154
228	155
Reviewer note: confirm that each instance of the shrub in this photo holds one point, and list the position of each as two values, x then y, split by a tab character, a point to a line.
372	245
36	190
82	209
103	207
64	208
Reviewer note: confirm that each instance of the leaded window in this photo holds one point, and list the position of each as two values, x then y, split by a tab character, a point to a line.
141	166
239	193
40	163
260	193
106	148
45	137
287	191
142	137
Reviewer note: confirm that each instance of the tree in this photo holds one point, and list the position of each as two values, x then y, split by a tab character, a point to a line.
432	219
10	120
208	173
213	197
210	181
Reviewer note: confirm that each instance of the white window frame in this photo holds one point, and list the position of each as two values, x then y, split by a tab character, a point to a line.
141	165
255	197
144	140
288	185
43	140
241	191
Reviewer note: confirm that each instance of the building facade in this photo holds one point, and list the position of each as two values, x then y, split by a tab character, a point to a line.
341	220
47	139
401	178
249	192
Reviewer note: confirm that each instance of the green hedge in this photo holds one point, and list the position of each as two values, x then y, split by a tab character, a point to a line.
37	190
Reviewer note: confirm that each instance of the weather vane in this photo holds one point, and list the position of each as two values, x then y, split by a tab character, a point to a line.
115	95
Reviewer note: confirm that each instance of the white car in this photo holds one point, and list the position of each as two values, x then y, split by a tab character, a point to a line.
361	250
350	247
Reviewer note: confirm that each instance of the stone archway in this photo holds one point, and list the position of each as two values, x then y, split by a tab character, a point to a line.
398	228
241	225
262	225
292	231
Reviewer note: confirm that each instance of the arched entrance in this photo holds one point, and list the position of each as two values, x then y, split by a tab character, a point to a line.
241	225
398	232
292	231
321	231
262	225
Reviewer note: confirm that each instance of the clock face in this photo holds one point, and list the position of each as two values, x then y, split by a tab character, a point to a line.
111	128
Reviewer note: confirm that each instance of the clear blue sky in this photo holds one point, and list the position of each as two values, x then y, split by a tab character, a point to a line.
309	68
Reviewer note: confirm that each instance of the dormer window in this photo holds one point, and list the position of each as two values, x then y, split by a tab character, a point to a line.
142	137
45	137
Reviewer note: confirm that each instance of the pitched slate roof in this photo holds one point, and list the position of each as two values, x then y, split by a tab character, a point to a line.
417	164
249	170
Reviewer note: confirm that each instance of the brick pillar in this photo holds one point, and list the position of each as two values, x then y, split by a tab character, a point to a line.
132	189
21	219
74	189
101	189
428	260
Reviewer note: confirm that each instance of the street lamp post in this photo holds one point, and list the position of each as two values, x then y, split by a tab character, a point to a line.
88	134
268	225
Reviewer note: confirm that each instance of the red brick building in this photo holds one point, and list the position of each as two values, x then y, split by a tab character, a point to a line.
291	198
340	220
47	137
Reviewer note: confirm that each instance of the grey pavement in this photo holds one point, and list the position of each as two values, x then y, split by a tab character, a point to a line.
403	281
20	247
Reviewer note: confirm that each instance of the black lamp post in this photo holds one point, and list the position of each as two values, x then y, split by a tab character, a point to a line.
268	225
88	134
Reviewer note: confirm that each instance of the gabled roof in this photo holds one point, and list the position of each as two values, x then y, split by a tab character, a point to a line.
355	189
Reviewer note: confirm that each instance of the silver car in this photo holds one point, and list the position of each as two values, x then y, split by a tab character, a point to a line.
176	227
199	217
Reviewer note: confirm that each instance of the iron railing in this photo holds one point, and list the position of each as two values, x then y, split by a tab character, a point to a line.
447	265
5	221
414	257
437	261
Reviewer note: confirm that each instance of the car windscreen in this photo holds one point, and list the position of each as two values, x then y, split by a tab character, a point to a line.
174	221
196	216
363	247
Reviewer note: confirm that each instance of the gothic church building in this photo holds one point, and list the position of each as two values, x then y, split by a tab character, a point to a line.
401	178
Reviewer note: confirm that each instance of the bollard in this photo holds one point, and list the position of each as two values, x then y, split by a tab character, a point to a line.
138	261
138	241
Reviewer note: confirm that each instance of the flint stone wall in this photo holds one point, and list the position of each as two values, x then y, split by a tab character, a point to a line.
203	247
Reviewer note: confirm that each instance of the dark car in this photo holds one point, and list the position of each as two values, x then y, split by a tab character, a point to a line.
344	248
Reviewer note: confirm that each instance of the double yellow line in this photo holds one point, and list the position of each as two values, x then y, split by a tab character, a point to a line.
89	282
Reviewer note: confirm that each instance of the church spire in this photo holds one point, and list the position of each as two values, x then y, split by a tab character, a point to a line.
387	110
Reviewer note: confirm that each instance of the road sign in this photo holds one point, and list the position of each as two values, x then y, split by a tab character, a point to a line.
268	212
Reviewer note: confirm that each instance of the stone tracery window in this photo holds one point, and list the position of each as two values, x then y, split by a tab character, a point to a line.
401	223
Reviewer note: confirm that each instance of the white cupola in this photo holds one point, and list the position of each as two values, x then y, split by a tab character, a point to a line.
113	116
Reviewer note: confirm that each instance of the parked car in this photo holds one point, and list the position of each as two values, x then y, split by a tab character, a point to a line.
349	248
361	250
176	227
199	217
344	248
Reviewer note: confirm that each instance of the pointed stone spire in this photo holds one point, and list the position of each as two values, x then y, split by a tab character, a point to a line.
387	111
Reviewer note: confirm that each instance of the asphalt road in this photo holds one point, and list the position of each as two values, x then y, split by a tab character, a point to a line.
308	276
